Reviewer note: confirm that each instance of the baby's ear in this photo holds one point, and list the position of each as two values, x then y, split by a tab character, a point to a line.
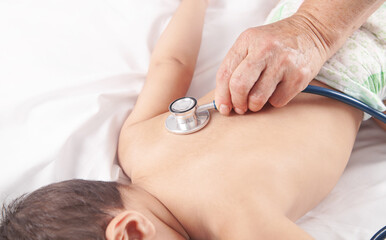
130	225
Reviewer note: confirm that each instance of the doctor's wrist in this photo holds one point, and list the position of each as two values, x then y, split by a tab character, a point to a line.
324	39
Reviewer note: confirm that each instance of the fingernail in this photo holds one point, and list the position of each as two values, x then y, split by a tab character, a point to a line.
224	109
239	111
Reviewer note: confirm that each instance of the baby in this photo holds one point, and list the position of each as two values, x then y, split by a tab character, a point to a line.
241	177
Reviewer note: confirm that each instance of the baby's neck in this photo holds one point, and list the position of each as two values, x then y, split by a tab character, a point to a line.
196	226
136	197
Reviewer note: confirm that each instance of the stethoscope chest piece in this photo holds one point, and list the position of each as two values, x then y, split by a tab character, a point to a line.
186	117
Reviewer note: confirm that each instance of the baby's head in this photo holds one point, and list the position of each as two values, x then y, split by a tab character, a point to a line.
81	209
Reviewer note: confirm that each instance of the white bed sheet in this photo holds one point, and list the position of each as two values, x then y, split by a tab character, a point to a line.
70	72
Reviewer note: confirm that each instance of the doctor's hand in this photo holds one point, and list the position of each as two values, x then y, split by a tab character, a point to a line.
269	63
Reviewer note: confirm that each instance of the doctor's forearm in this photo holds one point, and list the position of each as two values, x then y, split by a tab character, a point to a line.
333	21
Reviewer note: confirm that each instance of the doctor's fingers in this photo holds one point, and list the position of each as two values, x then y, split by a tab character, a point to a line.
234	57
264	88
242	81
286	90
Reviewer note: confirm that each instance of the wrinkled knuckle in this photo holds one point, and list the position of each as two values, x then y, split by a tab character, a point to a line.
305	73
222	76
302	76
285	60
267	47
238	104
256	102
290	59
298	81
306	76
237	86
275	43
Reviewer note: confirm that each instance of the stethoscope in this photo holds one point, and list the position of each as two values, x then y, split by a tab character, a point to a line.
186	117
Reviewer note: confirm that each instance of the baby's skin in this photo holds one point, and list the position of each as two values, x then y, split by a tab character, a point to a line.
244	176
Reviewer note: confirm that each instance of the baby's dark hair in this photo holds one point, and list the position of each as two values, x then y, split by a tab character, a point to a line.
74	209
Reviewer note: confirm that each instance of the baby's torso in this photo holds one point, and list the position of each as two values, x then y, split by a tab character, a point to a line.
213	172
234	163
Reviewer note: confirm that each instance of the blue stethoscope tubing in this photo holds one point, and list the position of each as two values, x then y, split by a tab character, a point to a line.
346	99
380	235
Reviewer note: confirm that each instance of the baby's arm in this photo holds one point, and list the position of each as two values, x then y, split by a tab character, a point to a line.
172	62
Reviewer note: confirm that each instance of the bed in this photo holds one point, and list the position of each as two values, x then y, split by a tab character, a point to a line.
70	74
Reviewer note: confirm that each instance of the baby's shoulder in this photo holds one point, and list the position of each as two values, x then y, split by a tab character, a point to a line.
136	143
